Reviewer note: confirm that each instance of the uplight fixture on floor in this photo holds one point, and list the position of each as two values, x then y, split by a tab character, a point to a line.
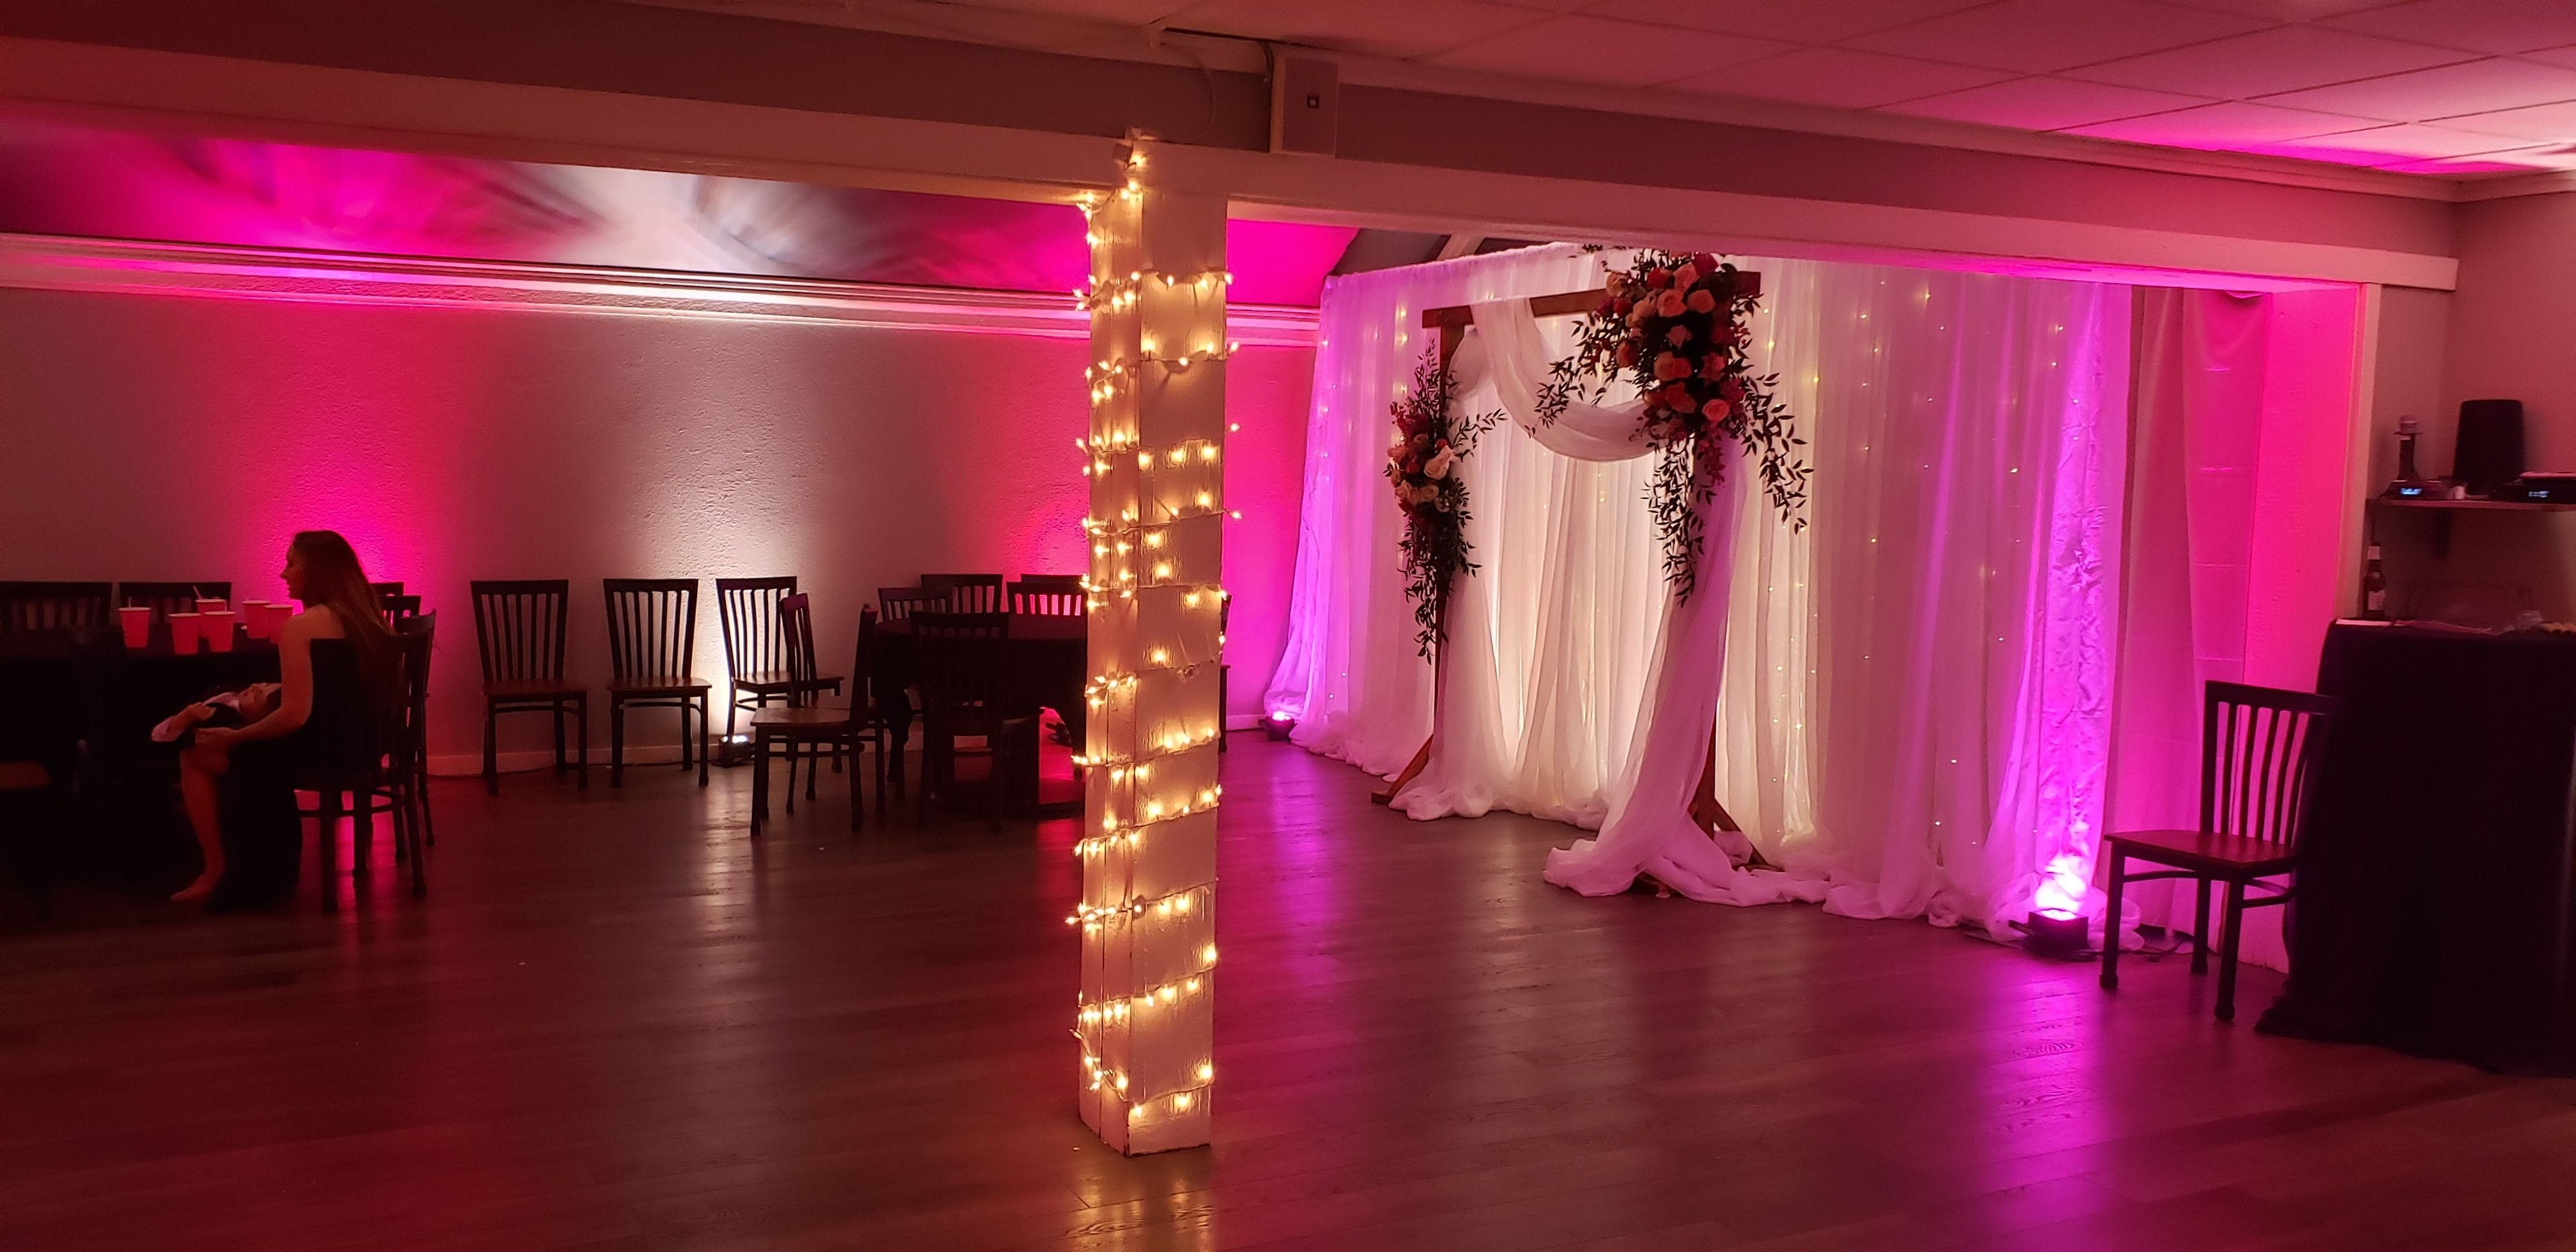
1278	725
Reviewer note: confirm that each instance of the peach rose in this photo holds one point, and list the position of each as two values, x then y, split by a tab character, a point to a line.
1683	401
1713	367
1669	367
1627	353
1701	301
1670	303
1685	276
1677	336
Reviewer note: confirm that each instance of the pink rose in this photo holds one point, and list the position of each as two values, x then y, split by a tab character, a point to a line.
1701	302
1659	277
1713	368
1627	353
1686	276
1669	367
1718	409
1670	303
1677	336
1683	401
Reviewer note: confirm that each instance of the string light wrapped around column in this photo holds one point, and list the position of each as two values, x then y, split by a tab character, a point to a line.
1155	459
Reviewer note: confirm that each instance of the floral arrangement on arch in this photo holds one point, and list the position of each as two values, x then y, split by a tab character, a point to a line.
1422	464
1674	327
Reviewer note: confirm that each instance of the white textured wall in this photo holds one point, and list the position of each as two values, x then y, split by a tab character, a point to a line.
154	437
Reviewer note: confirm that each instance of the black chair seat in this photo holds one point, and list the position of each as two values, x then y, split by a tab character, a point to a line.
806	721
2195	850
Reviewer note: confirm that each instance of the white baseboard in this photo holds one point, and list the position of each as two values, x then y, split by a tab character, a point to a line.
470	764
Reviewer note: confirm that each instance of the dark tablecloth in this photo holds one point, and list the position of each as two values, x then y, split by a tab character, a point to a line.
85	704
2435	898
1049	655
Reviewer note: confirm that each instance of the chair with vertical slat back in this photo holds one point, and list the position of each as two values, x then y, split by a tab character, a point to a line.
389	587
805	726
1047	595
165	599
54	606
970	690
756	646
519	629
402	788
652	659
398	608
2259	749
895	604
968	593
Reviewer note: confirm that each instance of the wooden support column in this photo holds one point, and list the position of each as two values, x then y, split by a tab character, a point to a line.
1148	851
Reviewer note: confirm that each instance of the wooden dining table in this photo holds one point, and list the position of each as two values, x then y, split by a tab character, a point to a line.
1047	656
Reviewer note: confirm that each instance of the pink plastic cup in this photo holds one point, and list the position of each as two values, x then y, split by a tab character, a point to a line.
278	612
137	621
254	619
183	633
216	629
210	604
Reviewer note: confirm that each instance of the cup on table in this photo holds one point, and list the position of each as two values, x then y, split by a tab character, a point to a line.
137	621
216	628
254	619
278	612
183	633
211	604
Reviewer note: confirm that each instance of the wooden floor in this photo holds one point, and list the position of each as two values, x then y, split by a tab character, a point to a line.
618	1024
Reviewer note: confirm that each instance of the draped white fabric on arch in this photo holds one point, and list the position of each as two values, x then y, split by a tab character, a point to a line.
1915	690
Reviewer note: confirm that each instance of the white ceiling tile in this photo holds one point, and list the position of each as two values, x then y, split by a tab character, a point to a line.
2044	35
2450	91
2045	104
1375	27
1840	78
2285	58
2555	56
2477	25
2220	126
2555	122
2391	143
1596	50
1799	21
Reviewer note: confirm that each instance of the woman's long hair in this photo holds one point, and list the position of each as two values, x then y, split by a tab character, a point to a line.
333	577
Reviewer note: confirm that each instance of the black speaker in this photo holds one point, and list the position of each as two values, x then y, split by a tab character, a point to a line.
2489	452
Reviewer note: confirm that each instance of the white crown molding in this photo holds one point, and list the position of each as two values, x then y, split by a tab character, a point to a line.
2545	183
64	263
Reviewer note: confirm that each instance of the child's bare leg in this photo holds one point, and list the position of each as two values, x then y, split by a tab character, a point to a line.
199	768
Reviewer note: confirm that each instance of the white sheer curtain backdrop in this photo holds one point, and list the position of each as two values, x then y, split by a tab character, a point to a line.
1916	689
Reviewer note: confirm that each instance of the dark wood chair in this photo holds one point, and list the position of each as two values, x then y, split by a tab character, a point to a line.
895	604
357	780
756	646
804	726
54	606
26	793
398	608
968	593
389	587
1047	595
973	703
2259	748
419	638
165	599
652	660
519	630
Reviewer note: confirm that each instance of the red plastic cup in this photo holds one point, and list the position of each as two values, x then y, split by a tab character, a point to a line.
278	612
137	621
254	618
183	633
210	604
216	629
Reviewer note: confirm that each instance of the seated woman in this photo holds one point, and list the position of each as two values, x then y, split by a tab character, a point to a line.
336	683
